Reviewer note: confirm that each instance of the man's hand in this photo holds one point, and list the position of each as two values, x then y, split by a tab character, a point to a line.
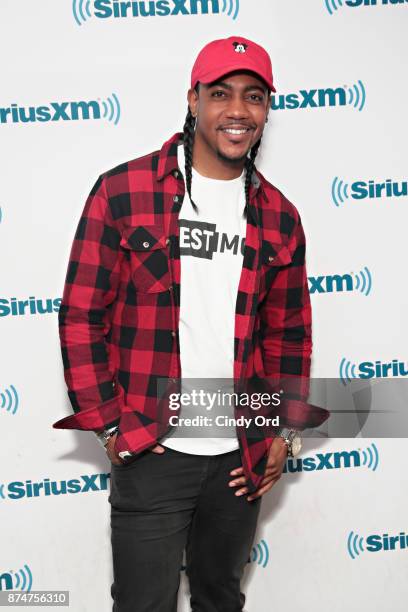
276	460
114	457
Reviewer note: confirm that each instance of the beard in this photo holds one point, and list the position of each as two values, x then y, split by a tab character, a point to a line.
232	161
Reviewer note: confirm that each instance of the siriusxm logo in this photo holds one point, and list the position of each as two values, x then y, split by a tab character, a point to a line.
117	9
333	5
354	96
334	283
375	543
21	580
32	306
361	190
9	400
371	369
22	489
108	110
367	458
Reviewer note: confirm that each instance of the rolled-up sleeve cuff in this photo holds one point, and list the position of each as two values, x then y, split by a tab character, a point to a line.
96	418
298	414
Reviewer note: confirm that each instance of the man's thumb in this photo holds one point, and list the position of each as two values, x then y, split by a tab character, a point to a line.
158	449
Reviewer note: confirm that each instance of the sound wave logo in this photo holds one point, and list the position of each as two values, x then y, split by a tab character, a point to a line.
347	371
340	191
83	10
355	544
111	109
9	400
357	95
363	282
231	7
370	457
23	578
19	580
260	554
333	5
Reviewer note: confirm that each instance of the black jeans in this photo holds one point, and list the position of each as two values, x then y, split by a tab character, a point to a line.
164	503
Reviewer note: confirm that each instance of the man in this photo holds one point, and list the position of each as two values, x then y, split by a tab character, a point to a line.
208	285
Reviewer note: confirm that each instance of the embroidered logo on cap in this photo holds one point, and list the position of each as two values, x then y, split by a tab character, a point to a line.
240	47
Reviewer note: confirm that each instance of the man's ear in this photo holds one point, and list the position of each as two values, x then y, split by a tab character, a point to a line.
192	98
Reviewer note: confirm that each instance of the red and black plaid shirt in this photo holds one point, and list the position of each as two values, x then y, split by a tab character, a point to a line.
118	319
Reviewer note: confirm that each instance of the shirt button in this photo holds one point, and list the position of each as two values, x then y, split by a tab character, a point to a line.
167	240
146	244
173	333
171	288
270	258
175	198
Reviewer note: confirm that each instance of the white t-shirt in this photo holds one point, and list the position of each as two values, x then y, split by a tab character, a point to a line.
211	255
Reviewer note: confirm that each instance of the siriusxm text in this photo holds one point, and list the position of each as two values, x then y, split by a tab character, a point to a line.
104	9
370	189
46	487
310	98
54	111
376	542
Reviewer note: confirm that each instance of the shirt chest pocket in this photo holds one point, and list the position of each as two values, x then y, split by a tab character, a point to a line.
274	257
147	251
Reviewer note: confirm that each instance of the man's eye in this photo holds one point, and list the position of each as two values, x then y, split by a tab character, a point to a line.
218	94
256	97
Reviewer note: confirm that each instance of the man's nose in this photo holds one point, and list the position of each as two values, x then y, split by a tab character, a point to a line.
237	109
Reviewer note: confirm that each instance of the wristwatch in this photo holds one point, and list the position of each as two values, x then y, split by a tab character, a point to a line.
105	435
292	439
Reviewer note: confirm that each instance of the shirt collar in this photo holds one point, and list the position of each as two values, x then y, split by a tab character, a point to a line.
168	156
168	164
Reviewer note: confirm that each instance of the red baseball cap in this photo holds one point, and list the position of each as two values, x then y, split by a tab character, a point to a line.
226	55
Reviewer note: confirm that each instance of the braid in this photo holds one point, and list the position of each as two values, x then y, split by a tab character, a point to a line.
249	167
188	143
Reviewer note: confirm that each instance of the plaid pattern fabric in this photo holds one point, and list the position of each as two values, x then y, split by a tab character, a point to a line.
118	319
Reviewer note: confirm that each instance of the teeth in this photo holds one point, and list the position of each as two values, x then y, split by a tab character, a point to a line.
235	132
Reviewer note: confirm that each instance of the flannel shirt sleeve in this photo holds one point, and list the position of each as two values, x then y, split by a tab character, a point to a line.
91	285
286	336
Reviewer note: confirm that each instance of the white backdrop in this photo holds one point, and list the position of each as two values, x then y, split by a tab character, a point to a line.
316	537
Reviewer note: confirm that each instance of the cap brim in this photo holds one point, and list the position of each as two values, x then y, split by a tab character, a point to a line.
221	71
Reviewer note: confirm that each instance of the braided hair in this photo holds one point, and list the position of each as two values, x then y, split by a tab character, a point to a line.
249	169
188	143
